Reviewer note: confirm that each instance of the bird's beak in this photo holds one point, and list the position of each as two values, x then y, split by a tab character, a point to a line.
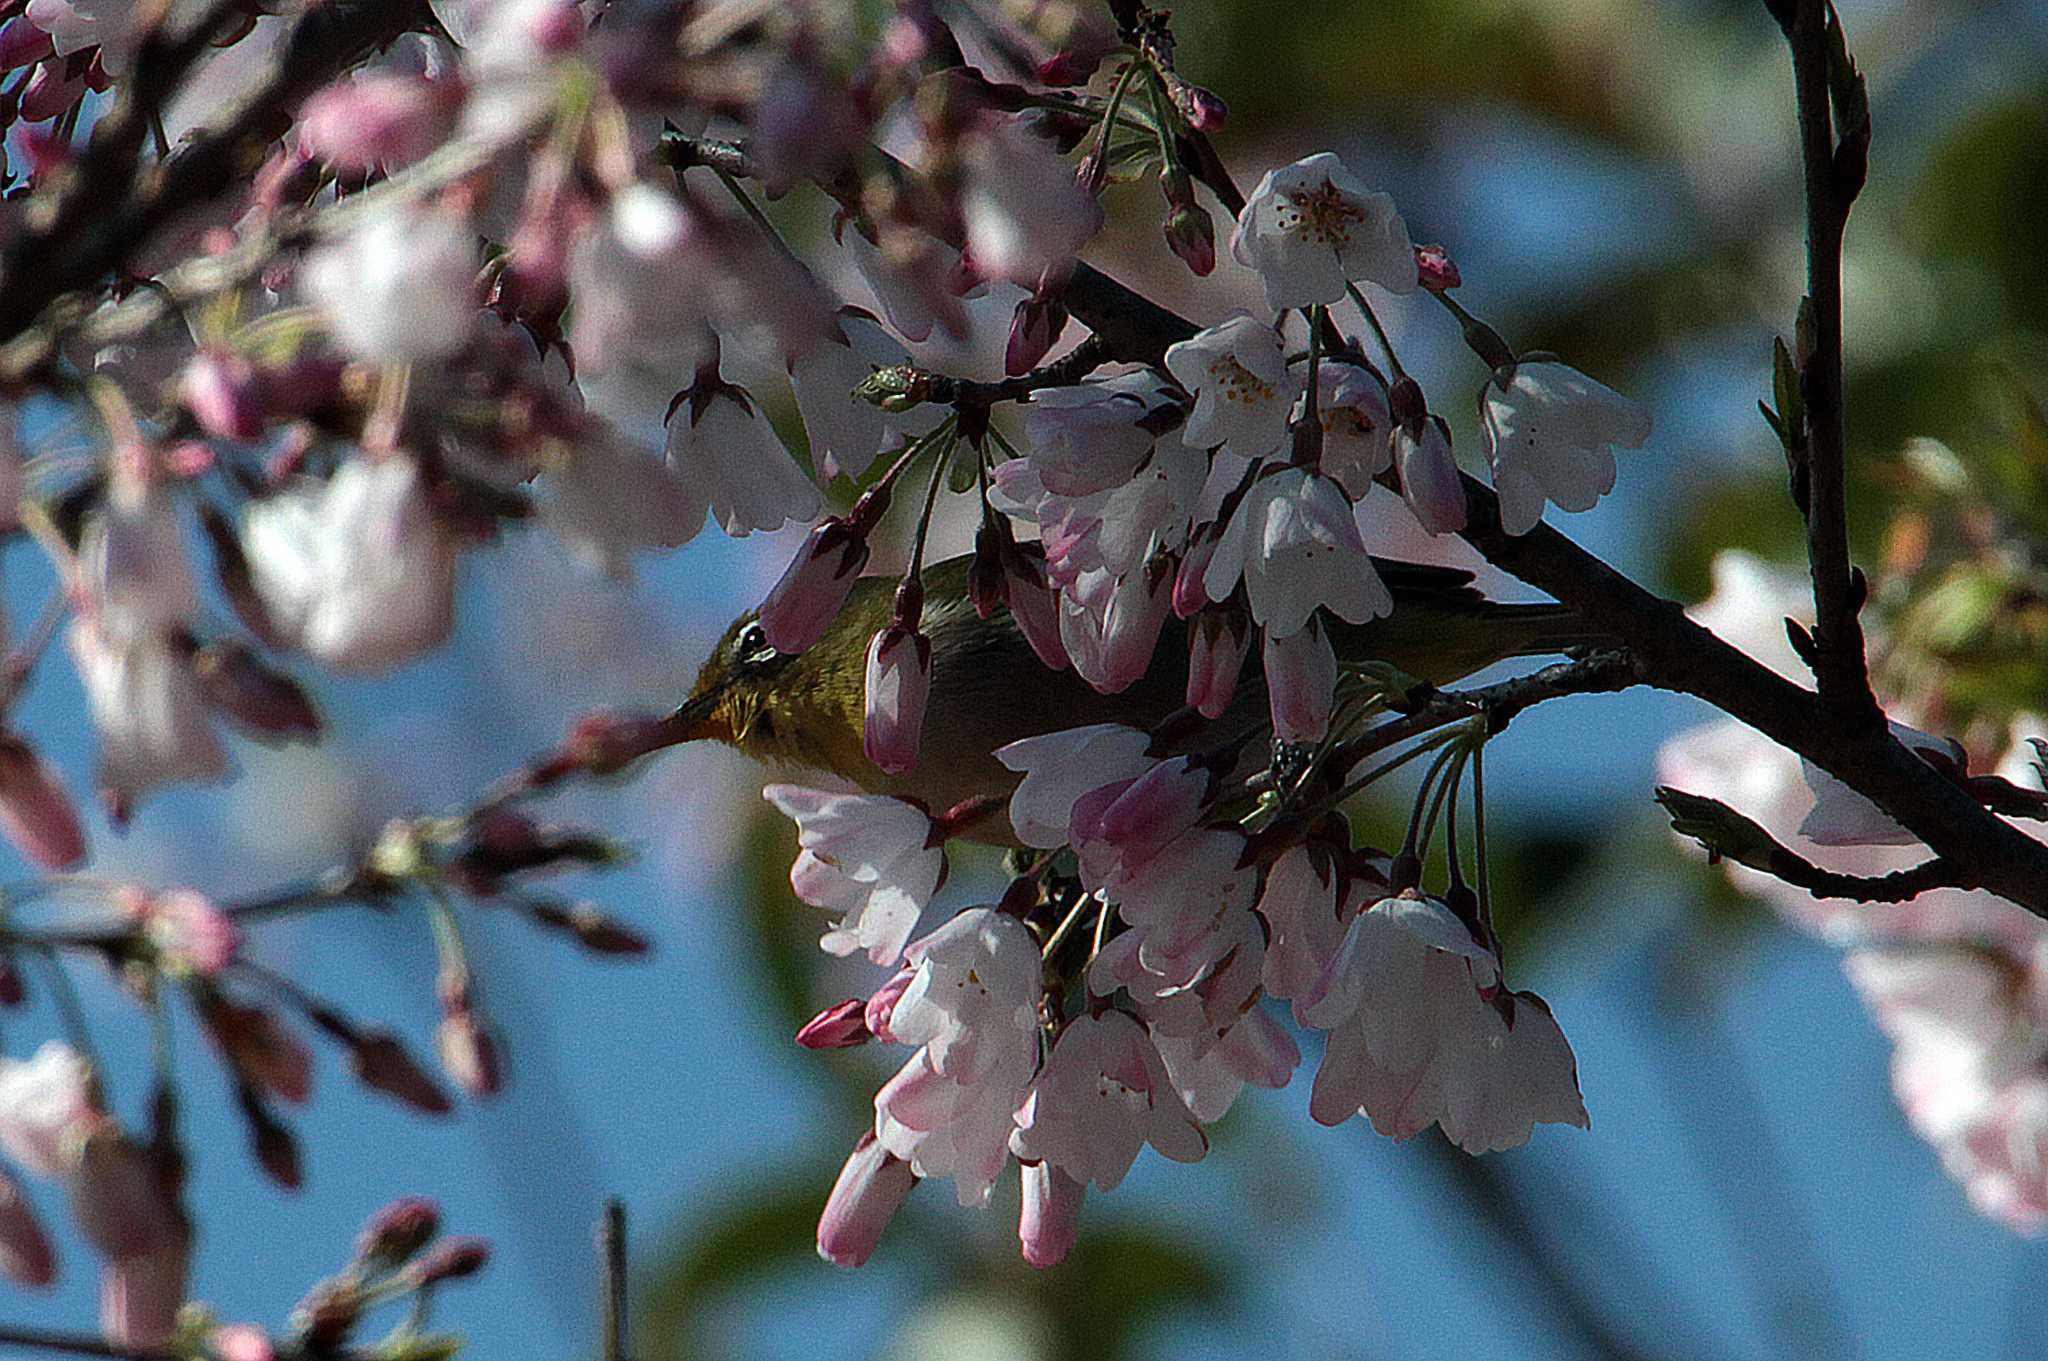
699	719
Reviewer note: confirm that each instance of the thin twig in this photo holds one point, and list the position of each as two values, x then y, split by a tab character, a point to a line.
611	1251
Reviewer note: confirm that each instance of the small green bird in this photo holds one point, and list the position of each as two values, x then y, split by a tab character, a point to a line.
988	688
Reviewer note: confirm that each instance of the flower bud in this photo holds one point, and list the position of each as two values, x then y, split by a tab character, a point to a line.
260	699
381	1063
986	584
1301	679
259	1047
1070	66
839	1027
114	1196
1034	330
468	1053
329	1313
449	1261
1430	483
50	91
807	598
872	1187
882	1005
1192	236
35	811
899	679
1034	604
240	1342
1435	269
1190	596
1217	644
277	1152
140	1295
224	394
398	1231
1203	109
21	43
1049	1218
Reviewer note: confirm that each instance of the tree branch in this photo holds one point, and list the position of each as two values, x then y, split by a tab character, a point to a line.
1826	82
1726	834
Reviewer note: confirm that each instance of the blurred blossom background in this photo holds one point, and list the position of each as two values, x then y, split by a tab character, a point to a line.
1618	181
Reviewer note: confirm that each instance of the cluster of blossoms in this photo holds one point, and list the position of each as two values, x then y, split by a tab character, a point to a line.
1111	998
1958	978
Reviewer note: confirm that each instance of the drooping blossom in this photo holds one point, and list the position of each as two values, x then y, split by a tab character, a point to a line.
379	119
149	713
914	277
1103	1095
845	432
46	1108
1092	436
641	314
1550	436
1413	1040
730	459
1022	208
400	287
1243	392
805	599
190	934
1059	767
1301	682
972	1010
358	570
1311	226
606	497
1842	817
1351	405
36	812
1295	543
132	565
1218	641
867	857
1430	483
1299	903
1110	625
1049	1214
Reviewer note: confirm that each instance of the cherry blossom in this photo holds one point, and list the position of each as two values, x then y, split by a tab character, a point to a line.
1023	210
1301	680
725	452
1060	767
899	681
867	857
1103	1095
399	289
149	713
1842	817
807	597
1243	392
1295	543
1311	226
1549	431
357	570
1091	437
607	497
1430	483
871	1187
46	1108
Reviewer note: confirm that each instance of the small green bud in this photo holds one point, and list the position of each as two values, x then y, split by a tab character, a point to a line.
896	388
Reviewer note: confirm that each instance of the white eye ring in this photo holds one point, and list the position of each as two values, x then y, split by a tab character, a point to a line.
753	644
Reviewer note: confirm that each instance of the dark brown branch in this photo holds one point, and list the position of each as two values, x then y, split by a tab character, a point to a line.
1838	663
611	1252
1727	834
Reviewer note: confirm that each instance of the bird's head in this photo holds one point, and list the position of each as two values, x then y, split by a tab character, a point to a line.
803	710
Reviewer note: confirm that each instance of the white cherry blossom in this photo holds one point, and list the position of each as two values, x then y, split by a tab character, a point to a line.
1103	1095
1243	392
728	456
1023	211
400	288
1059	767
1549	435
1311	226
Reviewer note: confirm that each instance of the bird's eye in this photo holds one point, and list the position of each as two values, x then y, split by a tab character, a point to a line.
752	645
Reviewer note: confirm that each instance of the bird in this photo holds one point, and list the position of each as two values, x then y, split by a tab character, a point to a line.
803	713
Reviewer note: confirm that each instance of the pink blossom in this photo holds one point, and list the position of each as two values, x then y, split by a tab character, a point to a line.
1301	683
240	1342
846	432
837	1027
1209	1075
1842	817
1091	437
36	812
872	1187
1059	767
912	276
881	1005
972	1001
1103	1094
607	498
1110	626
386	120
867	857
803	603
1300	906
1217	643
149	712
1351	405
638	277
729	456
191	935
944	1128
1049	1217
899	681
132	564
224	394
26	1256
1119	827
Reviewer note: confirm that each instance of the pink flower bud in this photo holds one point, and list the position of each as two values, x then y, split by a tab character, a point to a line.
603	742
1203	109
1429	475
899	683
450	1261
115	1198
1070	67
1301	678
21	42
266	1054
1034	330
807	598
25	1253
225	395
468	1053
1190	596
872	1187
1130	630
398	1231
882	1005
1192	236
191	935
379	120
381	1063
1435	269
1217	644
839	1027
50	92
1049	1219
1035	606
35	811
